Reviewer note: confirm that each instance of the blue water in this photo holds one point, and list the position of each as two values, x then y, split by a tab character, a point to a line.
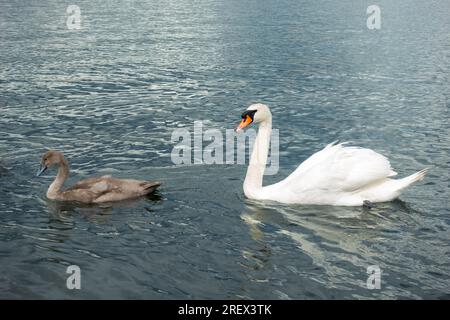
110	95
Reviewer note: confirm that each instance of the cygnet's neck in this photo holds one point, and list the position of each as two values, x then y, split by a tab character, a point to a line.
63	173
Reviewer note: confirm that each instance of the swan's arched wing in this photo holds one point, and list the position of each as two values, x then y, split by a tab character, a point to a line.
313	160
338	168
354	168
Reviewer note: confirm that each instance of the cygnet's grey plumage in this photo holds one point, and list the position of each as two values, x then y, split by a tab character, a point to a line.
92	190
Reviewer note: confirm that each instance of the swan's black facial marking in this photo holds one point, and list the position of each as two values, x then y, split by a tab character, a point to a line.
250	113
247	119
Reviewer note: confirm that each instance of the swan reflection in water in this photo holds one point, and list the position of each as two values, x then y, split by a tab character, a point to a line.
63	211
342	241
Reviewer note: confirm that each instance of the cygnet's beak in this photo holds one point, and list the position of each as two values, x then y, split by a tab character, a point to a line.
41	170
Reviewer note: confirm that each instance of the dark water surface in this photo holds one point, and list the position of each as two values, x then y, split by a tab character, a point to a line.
110	95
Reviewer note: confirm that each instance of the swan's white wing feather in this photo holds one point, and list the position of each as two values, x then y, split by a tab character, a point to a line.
354	168
313	160
338	168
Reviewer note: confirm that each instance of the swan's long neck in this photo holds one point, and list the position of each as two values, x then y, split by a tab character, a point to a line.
63	173
258	160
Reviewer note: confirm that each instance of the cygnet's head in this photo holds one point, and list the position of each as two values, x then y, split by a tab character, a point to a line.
50	158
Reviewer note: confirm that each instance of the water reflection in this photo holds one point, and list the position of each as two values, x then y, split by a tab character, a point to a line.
341	241
3	171
62	211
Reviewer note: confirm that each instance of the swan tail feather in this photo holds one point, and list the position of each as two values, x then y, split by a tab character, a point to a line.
150	186
409	180
332	144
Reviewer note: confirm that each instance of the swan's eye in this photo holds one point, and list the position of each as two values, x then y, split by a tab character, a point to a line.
248	113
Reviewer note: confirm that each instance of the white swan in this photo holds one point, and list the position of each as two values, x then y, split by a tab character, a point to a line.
337	175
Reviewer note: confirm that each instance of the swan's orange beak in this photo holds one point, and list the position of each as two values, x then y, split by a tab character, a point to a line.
245	122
